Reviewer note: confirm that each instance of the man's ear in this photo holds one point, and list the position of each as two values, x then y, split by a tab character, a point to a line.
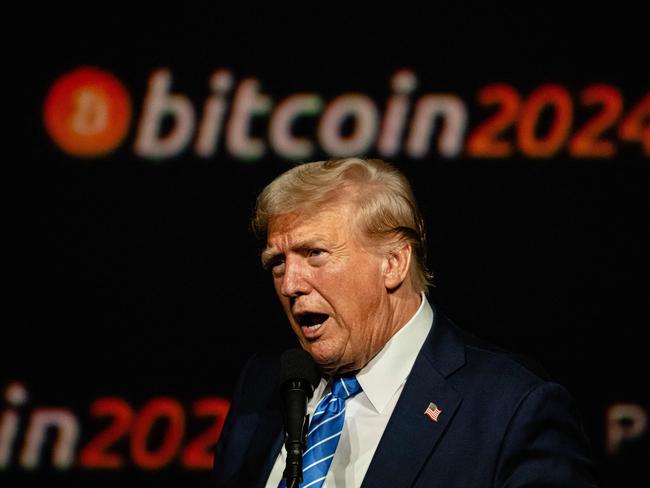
397	262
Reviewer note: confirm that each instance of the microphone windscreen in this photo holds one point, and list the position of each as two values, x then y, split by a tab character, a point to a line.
298	364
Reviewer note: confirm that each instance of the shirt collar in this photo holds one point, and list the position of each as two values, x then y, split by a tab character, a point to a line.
388	370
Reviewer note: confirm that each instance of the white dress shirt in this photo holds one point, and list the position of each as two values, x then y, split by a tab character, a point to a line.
367	413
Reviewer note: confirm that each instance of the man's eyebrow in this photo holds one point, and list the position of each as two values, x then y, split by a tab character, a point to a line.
269	254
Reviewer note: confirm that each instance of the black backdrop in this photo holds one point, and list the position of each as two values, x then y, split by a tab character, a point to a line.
137	279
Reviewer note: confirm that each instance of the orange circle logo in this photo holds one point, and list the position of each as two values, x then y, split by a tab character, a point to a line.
87	112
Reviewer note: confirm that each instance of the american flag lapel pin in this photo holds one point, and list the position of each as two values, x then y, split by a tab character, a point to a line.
433	412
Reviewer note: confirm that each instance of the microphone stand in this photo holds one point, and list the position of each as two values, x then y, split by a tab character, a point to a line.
295	440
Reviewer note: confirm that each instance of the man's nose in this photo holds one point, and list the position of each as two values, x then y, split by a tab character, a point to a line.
294	280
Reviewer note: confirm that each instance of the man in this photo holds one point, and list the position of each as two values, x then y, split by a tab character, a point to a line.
406	398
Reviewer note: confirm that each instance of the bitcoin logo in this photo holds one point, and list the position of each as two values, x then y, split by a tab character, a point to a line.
87	112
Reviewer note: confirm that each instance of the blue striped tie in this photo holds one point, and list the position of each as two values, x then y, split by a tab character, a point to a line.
324	432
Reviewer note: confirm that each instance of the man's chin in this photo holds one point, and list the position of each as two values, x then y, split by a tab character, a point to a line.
328	362
334	366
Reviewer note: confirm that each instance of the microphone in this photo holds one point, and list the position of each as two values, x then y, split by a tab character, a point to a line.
298	378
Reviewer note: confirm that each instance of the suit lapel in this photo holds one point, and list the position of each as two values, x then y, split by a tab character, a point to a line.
263	405
410	435
263	450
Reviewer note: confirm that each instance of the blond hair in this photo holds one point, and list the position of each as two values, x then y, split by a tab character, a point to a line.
386	204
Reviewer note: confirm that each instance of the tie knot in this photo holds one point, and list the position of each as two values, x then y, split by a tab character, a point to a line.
344	387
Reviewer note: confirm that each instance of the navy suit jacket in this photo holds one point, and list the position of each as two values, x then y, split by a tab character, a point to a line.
503	423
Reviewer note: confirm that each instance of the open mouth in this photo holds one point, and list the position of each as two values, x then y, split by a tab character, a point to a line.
311	320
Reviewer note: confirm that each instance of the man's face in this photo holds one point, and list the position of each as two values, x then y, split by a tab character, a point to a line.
330	285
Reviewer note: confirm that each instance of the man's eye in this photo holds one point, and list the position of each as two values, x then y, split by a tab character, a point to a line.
277	267
273	263
316	254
